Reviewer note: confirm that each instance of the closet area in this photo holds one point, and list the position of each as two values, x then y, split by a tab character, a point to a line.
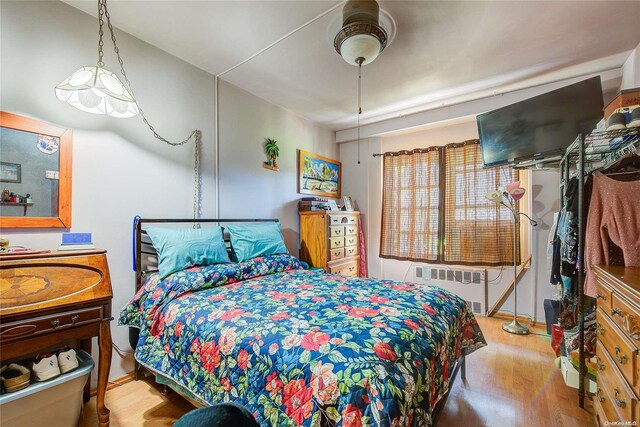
594	241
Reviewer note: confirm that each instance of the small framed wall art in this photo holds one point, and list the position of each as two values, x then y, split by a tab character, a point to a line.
318	175
348	204
10	172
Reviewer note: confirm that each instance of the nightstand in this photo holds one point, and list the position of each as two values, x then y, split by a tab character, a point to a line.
51	300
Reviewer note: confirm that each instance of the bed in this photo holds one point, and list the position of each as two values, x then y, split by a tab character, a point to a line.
299	347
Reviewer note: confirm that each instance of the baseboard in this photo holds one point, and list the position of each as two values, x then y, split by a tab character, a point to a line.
115	383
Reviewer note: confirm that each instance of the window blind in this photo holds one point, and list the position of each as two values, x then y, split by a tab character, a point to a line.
434	209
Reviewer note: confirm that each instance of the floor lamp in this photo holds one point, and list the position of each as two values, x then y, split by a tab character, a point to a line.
507	198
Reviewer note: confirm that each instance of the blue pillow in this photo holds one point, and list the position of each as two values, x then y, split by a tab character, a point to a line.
252	240
180	248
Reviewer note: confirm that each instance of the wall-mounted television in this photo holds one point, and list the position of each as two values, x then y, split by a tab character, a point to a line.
542	126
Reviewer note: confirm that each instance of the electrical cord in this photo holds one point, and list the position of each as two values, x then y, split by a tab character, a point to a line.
119	350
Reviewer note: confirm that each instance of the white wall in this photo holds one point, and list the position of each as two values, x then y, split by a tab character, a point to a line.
365	186
631	70
248	190
119	169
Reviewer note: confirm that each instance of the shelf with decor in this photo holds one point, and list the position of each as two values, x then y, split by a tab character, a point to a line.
24	205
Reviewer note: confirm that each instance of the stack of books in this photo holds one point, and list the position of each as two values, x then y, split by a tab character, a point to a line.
313	204
76	242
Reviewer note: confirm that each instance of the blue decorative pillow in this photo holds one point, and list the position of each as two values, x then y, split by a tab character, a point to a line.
252	240
180	248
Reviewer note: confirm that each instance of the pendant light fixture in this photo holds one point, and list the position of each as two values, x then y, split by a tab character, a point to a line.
360	40
94	89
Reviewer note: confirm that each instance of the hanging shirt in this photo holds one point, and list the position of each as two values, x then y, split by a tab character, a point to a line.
568	229
614	217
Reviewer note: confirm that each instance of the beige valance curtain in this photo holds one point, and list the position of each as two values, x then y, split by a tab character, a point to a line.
434	209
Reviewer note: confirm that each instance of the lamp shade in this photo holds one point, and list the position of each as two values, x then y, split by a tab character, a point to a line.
98	91
360	46
494	196
515	191
361	35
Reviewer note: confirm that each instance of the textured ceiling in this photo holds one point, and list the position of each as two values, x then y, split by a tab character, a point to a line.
442	50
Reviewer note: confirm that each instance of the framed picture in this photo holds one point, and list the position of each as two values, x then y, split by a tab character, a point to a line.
348	205
318	175
10	172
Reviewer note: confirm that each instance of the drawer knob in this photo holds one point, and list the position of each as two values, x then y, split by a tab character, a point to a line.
74	318
622	359
55	323
601	398
603	297
620	402
601	366
600	329
617	311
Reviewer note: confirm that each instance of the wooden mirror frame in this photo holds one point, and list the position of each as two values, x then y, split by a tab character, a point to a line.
63	220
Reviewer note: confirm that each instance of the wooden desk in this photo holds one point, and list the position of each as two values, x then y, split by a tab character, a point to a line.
50	300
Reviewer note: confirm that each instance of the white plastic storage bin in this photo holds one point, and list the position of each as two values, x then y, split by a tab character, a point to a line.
53	403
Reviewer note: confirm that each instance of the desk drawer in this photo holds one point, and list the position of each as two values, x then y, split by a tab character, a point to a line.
620	349
336	254
335	219
348	268
336	242
603	295
351	251
53	322
625	315
620	396
351	230
336	231
351	240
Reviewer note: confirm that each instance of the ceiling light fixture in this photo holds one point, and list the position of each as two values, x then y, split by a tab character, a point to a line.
96	90
360	40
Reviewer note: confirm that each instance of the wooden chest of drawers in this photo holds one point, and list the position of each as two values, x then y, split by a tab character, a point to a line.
51	300
330	240
617	349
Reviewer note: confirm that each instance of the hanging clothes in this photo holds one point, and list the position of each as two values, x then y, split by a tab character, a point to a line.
568	229
614	218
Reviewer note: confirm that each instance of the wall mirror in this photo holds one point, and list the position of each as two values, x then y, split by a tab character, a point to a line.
35	173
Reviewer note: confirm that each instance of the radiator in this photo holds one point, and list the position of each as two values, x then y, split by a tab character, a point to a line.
468	283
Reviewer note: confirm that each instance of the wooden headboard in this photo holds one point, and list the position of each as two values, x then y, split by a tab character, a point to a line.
146	257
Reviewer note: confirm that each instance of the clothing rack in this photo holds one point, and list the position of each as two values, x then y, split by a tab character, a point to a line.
585	155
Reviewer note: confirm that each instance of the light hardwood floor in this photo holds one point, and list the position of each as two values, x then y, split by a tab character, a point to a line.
511	382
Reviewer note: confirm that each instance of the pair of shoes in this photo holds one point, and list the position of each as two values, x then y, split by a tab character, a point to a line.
50	365
14	377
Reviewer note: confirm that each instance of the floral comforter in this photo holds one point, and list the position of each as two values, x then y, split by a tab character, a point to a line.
303	348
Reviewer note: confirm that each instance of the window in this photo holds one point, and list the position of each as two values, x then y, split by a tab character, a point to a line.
434	209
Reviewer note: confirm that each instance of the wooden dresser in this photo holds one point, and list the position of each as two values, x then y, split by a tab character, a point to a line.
51	300
329	239
618	332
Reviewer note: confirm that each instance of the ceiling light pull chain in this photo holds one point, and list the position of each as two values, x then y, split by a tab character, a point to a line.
359	61
196	134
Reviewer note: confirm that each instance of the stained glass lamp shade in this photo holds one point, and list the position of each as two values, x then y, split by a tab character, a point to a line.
98	91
